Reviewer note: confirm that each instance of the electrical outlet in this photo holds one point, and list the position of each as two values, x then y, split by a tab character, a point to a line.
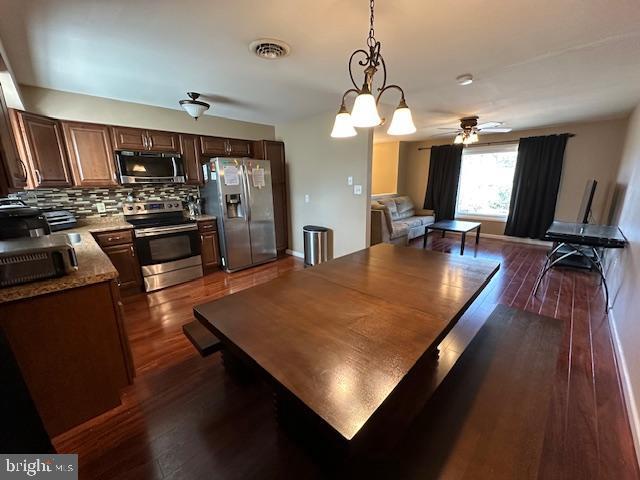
357	189
307	199
100	207
349	181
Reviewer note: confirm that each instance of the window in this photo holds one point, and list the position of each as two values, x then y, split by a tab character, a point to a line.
486	179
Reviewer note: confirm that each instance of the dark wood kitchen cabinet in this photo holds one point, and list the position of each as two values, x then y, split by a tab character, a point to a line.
225	147
210	252
139	139
90	154
190	146
41	145
274	152
13	168
119	247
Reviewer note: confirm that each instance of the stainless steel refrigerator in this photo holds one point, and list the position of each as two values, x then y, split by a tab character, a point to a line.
238	192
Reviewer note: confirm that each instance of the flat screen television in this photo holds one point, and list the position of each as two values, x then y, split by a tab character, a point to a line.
584	214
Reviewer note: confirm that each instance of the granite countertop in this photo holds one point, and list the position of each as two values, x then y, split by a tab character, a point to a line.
93	264
203	218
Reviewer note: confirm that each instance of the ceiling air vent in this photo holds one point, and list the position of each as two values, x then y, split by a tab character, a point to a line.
269	48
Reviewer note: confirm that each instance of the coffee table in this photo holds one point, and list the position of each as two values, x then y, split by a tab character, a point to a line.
457	226
347	345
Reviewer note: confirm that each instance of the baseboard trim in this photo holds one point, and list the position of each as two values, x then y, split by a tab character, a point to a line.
506	238
294	253
627	390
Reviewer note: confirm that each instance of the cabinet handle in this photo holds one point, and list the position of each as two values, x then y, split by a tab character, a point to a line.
149	143
24	169
144	142
133	252
38	176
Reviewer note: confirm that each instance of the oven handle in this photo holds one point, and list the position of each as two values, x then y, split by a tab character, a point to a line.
154	231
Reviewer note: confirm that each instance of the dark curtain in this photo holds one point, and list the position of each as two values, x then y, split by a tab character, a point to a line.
535	185
442	184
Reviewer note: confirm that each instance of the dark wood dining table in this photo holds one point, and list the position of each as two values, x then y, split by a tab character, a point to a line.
347	342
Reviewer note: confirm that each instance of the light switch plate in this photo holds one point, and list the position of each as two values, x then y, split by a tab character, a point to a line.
349	181
357	189
100	207
306	198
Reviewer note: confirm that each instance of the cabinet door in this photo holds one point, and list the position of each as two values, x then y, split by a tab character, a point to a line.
209	250
191	158
274	152
125	260
125	138
90	154
239	148
45	150
15	169
213	146
162	141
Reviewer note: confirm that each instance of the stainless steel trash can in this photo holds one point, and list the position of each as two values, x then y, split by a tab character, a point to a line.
316	241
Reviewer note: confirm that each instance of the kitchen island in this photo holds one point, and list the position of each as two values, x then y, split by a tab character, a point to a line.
68	336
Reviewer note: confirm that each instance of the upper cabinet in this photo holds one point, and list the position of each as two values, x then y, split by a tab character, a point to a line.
190	146
40	142
138	139
225	147
90	154
14	169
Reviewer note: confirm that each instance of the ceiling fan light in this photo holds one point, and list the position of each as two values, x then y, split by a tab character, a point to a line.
473	138
365	112
194	107
458	140
343	125
402	121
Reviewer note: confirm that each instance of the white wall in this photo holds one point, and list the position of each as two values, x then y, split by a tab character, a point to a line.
624	272
594	152
318	166
85	108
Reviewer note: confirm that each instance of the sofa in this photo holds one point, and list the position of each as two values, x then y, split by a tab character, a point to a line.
395	219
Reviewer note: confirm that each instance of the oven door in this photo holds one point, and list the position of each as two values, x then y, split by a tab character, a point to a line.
163	245
139	167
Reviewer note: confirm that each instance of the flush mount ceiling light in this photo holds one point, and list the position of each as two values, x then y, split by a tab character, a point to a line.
269	48
466	79
365	109
194	107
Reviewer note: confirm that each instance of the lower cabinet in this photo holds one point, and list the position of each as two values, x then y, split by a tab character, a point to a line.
210	250
72	351
119	247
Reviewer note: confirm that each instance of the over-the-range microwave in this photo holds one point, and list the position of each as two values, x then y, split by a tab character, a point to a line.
148	167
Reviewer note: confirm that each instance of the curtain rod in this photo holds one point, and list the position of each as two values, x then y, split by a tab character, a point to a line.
502	142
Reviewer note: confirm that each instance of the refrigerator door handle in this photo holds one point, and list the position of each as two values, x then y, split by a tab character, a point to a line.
247	193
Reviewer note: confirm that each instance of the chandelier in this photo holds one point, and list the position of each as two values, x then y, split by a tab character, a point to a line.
365	108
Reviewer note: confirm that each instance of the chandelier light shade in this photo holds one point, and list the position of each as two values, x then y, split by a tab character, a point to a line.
365	111
458	140
194	107
365	108
402	121
343	126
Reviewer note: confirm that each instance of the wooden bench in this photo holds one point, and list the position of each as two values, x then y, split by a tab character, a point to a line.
488	417
205	342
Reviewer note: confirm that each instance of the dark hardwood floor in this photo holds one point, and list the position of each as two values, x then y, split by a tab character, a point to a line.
185	418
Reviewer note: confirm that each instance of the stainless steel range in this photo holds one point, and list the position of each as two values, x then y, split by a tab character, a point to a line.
168	244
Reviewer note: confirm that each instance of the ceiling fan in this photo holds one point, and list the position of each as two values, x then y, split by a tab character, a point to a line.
469	129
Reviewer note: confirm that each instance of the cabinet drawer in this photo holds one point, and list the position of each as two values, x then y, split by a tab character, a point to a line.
116	237
207	226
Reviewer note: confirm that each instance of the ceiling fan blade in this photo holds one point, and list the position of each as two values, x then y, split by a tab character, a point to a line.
449	129
495	130
489	125
444	134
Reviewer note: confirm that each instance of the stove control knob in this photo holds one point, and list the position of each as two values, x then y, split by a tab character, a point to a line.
129	208
176	205
139	207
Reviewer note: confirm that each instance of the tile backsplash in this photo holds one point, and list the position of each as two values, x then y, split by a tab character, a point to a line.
82	201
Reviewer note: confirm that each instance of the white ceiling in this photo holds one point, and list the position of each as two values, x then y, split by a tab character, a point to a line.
535	62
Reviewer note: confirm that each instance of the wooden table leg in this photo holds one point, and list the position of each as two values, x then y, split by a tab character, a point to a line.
443	232
464	237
